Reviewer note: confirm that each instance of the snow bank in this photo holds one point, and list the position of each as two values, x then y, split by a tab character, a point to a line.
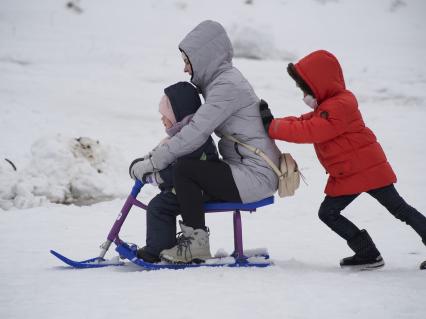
64	170
256	43
8	177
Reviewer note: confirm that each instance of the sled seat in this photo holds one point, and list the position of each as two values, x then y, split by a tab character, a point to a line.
236	208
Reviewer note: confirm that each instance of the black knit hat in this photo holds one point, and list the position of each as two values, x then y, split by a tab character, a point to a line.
184	99
298	79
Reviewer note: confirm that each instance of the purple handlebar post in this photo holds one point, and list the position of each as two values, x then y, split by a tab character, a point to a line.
113	234
238	237
124	211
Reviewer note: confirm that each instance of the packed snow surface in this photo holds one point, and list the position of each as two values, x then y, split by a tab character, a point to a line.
91	73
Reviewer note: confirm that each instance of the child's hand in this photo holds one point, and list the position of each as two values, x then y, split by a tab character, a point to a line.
153	179
265	114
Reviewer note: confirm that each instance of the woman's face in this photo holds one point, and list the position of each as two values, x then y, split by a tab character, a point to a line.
187	68
166	122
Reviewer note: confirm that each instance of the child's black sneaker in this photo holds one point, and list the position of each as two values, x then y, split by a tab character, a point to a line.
147	256
366	256
359	263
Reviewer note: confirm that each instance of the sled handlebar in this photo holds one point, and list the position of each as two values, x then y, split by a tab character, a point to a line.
136	188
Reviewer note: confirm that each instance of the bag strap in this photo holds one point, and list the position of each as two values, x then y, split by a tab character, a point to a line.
260	153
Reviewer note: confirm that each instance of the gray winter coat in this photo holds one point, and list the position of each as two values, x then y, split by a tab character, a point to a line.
231	107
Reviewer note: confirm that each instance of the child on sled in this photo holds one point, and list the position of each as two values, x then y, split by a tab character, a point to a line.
177	106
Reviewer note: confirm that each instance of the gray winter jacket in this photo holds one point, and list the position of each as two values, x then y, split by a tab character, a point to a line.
231	107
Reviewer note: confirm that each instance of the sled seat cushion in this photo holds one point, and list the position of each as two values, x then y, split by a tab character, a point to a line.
214	207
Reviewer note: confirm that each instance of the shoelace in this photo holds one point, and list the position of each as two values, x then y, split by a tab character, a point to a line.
183	242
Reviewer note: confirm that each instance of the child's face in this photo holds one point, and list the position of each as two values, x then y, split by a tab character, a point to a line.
187	68
166	122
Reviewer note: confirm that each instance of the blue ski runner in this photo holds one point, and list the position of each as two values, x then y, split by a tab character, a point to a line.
129	252
89	263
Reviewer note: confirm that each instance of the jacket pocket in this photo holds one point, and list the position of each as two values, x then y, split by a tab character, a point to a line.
340	169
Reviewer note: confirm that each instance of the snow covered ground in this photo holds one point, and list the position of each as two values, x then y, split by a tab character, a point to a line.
100	74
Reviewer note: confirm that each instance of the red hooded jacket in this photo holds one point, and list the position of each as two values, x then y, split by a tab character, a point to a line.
347	149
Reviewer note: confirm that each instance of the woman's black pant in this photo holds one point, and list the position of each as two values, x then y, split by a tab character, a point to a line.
331	207
198	181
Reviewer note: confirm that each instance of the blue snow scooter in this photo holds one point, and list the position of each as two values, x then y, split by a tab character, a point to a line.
239	257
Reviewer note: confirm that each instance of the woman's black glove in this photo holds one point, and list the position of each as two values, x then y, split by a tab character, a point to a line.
265	114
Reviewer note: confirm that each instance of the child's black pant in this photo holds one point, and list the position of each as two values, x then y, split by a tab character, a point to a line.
331	207
161	222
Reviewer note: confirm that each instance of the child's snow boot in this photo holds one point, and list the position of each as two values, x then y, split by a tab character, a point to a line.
192	246
366	256
145	255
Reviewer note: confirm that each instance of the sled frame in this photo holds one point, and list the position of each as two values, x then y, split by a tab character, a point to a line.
210	207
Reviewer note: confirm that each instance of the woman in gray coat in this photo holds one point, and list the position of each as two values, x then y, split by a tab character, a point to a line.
231	108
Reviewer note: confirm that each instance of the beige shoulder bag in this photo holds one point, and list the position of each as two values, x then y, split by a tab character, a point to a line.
288	172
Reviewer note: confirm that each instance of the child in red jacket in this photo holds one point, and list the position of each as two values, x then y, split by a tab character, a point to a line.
349	152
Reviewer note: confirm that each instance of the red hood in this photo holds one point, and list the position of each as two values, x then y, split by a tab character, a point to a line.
322	72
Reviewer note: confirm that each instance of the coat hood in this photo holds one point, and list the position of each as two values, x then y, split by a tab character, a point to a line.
321	71
209	51
184	99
